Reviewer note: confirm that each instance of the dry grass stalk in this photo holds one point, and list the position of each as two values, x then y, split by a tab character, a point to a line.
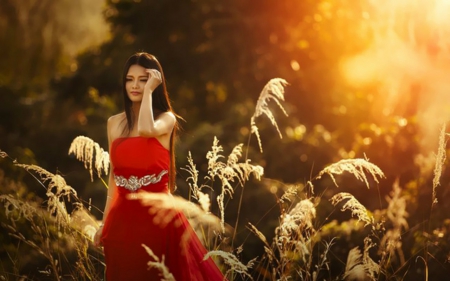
162	205
84	222
213	156
354	206
356	167
228	172
91	154
359	265
311	186
397	214
270	254
231	260
56	234
267	248
372	267
258	234
323	263
44	239
232	169
159	265
440	160
15	209
293	239
166	209
274	89
288	194
57	189
192	181
56	231
354	268
297	220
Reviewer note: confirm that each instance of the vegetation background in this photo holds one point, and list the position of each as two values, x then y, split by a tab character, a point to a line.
366	79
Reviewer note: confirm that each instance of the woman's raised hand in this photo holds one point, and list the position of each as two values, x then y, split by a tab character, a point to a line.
154	79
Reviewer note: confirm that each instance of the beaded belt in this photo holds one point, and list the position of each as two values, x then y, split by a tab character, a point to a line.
133	183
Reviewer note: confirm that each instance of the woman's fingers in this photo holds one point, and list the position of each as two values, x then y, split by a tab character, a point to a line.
154	73
154	79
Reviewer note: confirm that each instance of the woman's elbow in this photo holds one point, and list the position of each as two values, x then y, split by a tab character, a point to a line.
145	133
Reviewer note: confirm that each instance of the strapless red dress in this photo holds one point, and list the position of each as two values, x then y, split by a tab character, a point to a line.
129	224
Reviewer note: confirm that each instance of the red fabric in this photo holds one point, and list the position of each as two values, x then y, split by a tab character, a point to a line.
129	224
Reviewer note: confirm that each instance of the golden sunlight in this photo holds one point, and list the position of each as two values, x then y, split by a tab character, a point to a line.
407	59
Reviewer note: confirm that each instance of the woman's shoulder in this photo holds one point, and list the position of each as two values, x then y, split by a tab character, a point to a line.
115	125
116	118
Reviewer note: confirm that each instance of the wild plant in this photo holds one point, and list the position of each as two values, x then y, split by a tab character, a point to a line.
59	235
273	90
301	249
159	265
89	152
295	251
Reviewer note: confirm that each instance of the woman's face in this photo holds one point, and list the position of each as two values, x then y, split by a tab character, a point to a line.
135	82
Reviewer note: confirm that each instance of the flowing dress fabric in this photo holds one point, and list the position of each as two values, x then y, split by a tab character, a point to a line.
129	224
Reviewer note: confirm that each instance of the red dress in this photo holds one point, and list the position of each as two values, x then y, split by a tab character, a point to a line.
129	224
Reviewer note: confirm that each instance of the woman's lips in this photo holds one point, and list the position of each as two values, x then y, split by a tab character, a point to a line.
135	93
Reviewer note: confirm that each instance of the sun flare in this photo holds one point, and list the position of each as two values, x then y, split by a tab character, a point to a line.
407	60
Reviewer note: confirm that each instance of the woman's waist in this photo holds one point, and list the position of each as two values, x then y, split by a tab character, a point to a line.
141	180
128	172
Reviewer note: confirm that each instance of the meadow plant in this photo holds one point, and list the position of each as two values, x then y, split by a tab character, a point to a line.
396	214
295	237
56	234
295	251
165	209
235	266
194	190
273	90
91	154
359	265
353	205
228	171
356	167
440	160
159	264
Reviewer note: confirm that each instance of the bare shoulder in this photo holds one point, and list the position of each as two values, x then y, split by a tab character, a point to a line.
115	125
117	117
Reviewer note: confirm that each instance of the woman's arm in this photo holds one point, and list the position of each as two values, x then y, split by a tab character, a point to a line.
147	125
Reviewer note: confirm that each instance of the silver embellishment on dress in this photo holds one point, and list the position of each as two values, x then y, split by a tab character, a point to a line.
134	183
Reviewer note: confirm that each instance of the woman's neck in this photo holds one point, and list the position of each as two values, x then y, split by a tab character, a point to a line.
135	108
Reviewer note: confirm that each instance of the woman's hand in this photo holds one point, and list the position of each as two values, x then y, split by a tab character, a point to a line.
154	79
97	236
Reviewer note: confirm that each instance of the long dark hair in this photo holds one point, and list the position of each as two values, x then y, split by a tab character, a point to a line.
160	104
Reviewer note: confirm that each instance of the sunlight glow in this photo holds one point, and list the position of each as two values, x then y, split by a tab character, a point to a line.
407	59
440	13
295	65
402	122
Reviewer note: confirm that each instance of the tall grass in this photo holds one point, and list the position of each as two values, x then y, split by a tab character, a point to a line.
50	231
60	229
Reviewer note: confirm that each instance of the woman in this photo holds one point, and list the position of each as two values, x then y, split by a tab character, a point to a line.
141	145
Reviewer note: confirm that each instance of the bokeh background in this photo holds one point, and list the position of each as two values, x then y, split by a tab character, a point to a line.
366	79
